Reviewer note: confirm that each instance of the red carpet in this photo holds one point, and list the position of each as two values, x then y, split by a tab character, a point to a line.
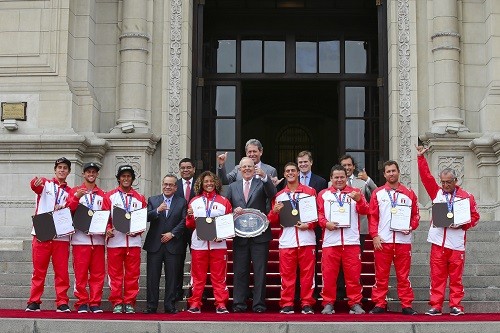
252	317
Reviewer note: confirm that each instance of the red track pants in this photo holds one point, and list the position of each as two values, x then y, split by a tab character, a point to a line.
89	268
124	270
400	254
41	253
215	262
446	262
304	257
349	256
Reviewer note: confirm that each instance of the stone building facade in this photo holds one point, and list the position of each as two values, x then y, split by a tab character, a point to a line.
112	81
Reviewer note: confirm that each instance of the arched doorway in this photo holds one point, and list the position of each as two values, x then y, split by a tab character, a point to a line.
269	68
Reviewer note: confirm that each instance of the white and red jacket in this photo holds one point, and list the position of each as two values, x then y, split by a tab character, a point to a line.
380	213
114	198
340	236
449	238
49	193
291	237
200	204
94	201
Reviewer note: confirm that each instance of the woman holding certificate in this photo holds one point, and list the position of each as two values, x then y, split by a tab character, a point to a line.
297	242
339	207
124	249
207	255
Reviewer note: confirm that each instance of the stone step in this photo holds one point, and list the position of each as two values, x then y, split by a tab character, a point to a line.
423	269
474	256
468	281
420	236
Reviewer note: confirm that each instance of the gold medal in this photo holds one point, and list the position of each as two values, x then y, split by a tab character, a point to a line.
341	209
90	212
394	210
294	212
449	215
127	216
208	219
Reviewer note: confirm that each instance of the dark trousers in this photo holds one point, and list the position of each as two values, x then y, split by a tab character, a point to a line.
243	256
172	266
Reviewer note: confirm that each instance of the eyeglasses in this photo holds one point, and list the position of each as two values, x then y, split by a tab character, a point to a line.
448	182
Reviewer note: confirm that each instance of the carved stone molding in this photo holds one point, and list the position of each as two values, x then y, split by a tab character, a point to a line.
453	162
174	84
404	128
135	162
17	204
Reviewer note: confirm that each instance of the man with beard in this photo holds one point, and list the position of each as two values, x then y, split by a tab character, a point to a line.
391	245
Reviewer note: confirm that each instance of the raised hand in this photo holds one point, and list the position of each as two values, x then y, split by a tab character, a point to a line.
421	150
222	158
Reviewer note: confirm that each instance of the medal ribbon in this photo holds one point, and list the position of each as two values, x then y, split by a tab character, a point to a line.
90	205
340	200
209	208
394	201
125	200
56	193
449	203
294	202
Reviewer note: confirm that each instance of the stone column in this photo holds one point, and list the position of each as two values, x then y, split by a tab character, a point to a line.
133	57
446	117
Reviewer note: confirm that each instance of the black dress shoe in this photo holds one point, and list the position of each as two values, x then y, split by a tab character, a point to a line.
239	310
259	310
149	311
171	311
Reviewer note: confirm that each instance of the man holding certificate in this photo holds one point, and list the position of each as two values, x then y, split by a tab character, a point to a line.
124	249
393	215
207	255
447	256
339	209
297	241
88	249
52	195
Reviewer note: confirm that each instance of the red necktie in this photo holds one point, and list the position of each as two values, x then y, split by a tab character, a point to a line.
246	190
188	190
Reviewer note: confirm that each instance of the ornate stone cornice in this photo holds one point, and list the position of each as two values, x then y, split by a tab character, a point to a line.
404	128
17	203
446	47
174	84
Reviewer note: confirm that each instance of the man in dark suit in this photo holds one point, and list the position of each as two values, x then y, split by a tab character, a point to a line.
253	150
164	243
185	189
306	177
250	192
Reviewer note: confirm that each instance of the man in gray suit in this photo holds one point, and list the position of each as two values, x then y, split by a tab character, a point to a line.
250	192
253	150
164	243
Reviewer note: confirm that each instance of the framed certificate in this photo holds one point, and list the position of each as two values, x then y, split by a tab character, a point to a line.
129	223
340	215
308	211
212	228
400	218
460	214
52	225
90	221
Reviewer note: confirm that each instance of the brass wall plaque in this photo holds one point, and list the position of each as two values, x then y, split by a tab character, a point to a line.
14	110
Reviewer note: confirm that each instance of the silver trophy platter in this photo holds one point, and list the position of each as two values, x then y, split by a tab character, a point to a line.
250	223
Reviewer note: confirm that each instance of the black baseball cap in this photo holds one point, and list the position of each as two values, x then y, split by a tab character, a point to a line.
90	165
62	160
124	168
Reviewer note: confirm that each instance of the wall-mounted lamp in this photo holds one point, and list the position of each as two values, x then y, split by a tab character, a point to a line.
10	124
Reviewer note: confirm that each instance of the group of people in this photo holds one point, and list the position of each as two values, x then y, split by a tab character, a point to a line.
349	206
